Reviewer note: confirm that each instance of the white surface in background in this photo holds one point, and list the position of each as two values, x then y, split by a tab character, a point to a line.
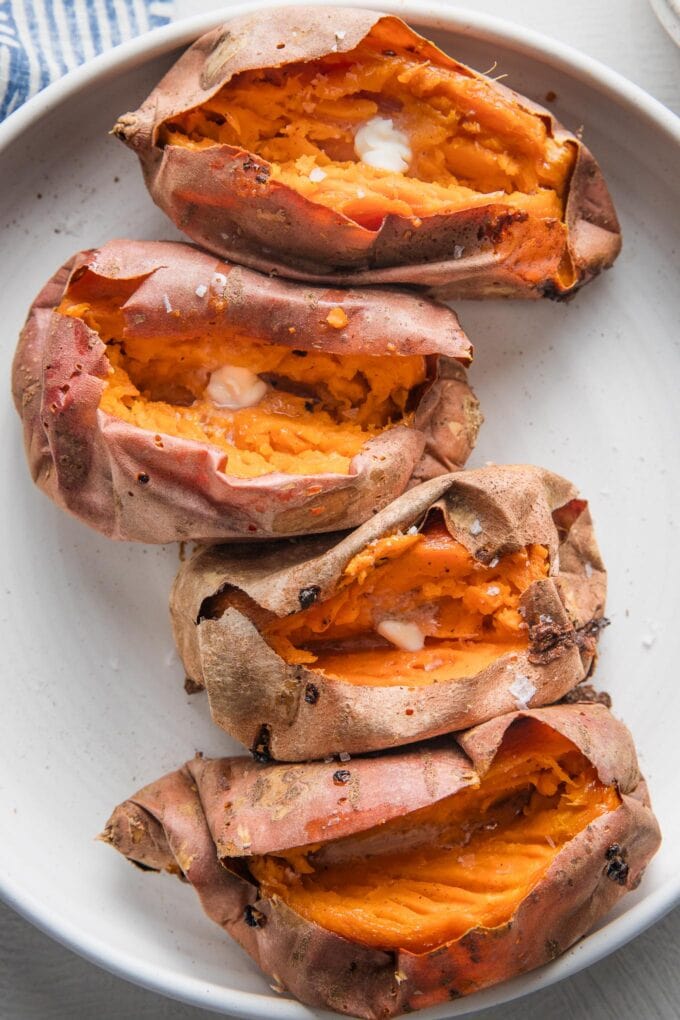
668	13
608	335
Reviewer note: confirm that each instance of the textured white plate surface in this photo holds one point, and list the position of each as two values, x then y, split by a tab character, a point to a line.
93	704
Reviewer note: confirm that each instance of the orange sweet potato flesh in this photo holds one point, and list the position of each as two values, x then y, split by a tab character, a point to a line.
248	144
471	143
468	611
465	862
319	411
358	392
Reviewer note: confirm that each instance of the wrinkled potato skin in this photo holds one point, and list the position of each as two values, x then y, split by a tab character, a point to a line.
179	824
90	462
252	689
220	197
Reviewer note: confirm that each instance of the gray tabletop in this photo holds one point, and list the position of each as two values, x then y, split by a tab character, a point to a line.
40	979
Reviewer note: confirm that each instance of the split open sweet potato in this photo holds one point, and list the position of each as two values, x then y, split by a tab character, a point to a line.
470	595
338	145
386	884
166	395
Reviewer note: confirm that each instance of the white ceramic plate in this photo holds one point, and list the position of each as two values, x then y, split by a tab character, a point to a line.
668	13
93	703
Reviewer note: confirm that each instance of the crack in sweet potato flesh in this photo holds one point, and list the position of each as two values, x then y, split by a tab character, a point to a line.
469	612
471	144
425	879
319	411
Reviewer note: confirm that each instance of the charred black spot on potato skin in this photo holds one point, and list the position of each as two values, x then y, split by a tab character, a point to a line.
591	629
311	694
341	776
253	918
190	686
549	641
496	228
300	354
143	478
617	869
260	749
261	172
471	943
309	595
550	290
586	694
388	53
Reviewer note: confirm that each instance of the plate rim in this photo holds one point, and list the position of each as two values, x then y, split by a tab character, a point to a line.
132	54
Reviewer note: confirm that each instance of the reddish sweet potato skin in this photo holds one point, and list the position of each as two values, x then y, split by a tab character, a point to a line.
186	823
301	713
133	485
223	198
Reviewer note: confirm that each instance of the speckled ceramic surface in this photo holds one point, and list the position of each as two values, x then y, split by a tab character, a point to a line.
94	704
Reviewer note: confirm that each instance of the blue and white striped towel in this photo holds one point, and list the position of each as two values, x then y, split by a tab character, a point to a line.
40	40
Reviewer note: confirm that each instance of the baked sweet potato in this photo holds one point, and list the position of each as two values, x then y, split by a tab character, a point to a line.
391	883
338	145
470	595
166	395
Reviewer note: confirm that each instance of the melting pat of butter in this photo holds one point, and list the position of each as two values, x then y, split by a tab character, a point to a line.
378	143
233	387
407	636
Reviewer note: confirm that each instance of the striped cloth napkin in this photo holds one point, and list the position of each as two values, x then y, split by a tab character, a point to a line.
40	40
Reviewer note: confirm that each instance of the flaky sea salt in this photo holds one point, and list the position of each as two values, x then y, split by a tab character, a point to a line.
317	174
201	290
433	664
522	690
166	303
476	527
